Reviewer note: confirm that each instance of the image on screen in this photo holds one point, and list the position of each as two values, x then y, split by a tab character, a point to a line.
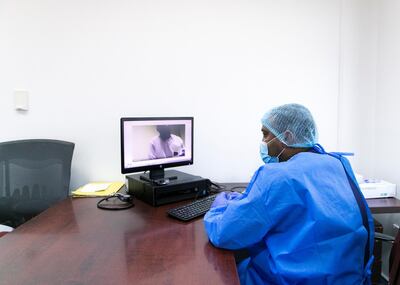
154	142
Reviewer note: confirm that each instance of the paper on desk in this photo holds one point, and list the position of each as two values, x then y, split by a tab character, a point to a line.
94	187
111	189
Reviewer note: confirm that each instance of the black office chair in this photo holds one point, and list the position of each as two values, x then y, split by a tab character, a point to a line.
34	174
394	258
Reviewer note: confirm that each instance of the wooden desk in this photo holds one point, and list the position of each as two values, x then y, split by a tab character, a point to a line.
76	243
384	205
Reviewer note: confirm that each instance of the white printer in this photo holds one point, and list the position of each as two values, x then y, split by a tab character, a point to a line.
373	188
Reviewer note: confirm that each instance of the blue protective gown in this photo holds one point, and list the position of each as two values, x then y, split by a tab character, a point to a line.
300	222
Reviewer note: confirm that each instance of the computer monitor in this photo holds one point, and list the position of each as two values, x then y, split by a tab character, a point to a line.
156	143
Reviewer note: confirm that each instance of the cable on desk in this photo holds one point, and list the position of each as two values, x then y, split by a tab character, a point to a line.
215	187
238	187
126	199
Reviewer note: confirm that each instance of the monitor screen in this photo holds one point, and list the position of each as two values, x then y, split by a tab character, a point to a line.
155	143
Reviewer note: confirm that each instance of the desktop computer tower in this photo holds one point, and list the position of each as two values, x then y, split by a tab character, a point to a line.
183	187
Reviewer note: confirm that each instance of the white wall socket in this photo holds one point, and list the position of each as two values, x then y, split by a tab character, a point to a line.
21	100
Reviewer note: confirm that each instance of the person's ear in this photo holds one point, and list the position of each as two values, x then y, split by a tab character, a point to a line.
289	137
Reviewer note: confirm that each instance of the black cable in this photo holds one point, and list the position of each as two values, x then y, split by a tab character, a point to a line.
238	187
215	187
127	202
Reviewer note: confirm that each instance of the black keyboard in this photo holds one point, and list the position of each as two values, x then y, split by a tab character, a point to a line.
192	210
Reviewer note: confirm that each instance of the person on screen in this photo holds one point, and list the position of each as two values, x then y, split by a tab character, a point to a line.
302	219
166	144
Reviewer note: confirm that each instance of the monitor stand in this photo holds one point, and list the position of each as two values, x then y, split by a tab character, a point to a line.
157	177
157	173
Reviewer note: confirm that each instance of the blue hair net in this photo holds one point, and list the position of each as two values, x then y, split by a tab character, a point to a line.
292	124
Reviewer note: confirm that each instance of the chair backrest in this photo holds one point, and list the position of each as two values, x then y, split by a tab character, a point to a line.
394	262
33	175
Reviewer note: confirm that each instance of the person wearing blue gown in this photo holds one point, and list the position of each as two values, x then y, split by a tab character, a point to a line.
302	218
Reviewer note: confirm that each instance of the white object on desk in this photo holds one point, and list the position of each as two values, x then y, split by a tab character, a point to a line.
377	189
94	187
359	178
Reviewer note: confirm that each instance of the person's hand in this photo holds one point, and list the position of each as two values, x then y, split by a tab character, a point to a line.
234	195
223	198
220	200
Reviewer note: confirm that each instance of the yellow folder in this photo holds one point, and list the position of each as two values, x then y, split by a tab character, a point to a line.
98	189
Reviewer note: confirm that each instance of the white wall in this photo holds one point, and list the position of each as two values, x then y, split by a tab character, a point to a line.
369	93
388	90
387	131
88	63
357	82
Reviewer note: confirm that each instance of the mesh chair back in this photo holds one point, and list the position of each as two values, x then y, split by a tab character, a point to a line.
34	174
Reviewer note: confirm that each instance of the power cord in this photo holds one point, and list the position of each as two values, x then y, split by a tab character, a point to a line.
215	187
113	202
238	187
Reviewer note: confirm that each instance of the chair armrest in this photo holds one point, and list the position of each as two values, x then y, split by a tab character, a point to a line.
383	237
5	229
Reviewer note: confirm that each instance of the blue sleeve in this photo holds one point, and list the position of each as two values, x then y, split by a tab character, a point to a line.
222	223
227	226
269	201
